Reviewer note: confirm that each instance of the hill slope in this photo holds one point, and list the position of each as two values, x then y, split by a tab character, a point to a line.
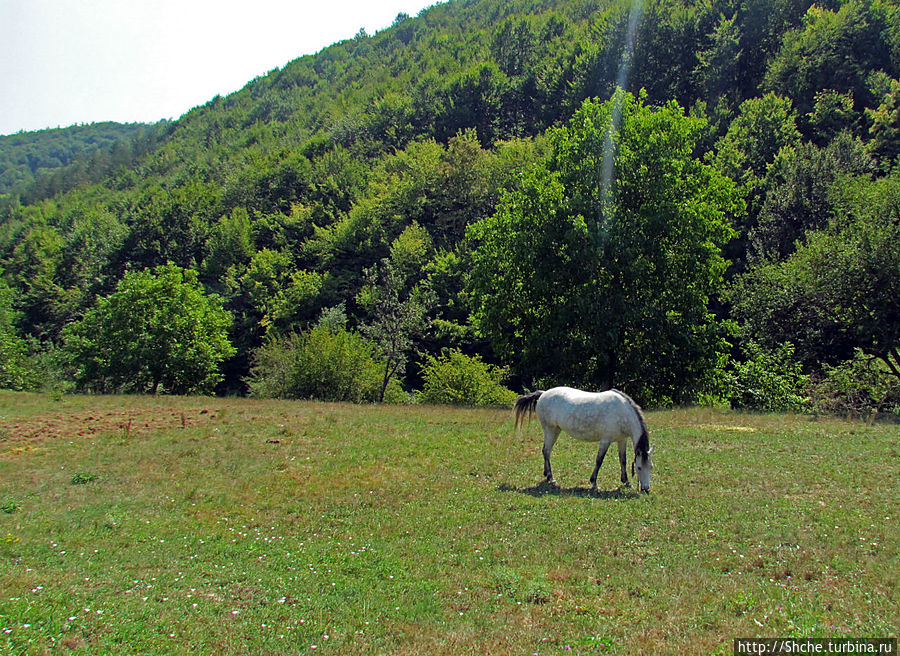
282	194
28	156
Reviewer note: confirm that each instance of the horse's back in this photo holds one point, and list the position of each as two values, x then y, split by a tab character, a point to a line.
589	416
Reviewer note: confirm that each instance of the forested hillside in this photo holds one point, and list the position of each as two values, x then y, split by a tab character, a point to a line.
41	164
465	197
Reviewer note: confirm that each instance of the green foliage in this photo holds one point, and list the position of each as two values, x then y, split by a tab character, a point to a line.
158	332
230	243
411	250
763	127
284	194
861	386
398	314
454	378
325	363
35	163
800	197
263	279
35	270
885	127
833	50
175	224
297	302
832	114
83	478
771	381
719	63
840	290
595	290
16	372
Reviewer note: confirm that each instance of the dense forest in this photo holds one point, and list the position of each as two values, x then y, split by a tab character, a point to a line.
42	164
691	201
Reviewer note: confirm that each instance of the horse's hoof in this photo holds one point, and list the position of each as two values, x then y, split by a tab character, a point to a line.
627	484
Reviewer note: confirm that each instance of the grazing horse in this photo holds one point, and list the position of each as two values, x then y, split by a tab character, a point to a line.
604	417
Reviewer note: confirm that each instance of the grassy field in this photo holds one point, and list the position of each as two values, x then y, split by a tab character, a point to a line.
226	526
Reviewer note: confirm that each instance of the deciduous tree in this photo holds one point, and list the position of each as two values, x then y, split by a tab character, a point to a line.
596	282
158	332
841	289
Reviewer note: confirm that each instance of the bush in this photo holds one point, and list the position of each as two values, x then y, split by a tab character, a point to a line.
16	372
457	379
860	386
158	332
17	364
767	380
327	363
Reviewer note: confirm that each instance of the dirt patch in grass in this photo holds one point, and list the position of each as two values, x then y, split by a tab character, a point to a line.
26	433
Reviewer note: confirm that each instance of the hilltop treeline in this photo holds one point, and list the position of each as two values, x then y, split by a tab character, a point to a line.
36	165
366	200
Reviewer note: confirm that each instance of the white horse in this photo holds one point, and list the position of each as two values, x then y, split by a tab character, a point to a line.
604	417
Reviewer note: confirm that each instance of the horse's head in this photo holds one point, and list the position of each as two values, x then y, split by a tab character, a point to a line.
643	465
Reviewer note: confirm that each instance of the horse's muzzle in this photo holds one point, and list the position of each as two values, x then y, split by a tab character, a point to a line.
645	489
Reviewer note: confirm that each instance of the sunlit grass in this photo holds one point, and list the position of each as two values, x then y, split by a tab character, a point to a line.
249	527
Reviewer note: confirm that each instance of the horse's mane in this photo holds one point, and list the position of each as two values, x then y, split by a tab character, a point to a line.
643	443
524	406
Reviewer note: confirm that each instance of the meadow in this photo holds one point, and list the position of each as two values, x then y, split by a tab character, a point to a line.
151	525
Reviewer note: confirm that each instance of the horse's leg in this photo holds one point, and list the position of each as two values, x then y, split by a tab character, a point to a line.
551	433
623	458
601	453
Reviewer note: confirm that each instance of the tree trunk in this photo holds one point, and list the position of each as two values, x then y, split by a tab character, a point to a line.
384	383
608	376
893	367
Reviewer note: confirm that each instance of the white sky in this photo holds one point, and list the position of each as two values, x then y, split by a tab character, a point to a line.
64	62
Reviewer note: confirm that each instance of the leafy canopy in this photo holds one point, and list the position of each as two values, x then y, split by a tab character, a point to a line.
158	332
601	289
840	290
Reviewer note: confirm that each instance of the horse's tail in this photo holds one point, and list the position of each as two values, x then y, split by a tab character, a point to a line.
524	406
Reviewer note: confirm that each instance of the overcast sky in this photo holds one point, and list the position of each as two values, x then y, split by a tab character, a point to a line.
64	62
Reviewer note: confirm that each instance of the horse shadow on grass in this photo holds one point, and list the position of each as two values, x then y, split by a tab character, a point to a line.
548	489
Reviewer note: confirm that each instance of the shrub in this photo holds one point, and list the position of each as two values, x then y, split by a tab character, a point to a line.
15	370
327	363
26	365
860	386
457	379
767	380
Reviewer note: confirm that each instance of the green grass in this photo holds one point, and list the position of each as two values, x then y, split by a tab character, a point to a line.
219	526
